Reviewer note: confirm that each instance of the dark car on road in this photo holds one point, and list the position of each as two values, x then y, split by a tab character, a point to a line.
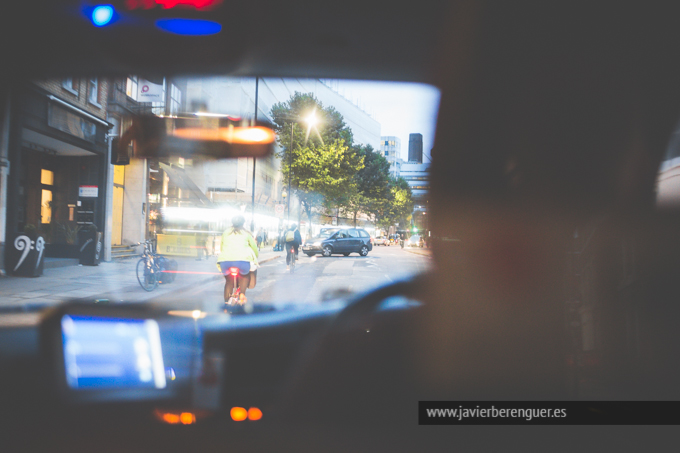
343	241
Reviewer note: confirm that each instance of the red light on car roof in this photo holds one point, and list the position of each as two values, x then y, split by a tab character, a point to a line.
167	4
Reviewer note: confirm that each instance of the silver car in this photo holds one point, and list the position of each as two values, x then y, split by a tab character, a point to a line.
414	241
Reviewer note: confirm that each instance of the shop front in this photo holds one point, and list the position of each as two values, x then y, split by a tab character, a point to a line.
58	168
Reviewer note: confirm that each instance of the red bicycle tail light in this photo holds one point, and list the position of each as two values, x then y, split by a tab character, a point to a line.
233	271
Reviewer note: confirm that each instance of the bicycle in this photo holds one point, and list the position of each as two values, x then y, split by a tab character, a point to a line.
236	298
293	259
148	267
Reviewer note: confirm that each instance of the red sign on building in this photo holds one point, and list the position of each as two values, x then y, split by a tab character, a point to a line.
167	4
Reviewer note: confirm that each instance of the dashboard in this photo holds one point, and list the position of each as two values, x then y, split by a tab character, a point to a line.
91	367
138	366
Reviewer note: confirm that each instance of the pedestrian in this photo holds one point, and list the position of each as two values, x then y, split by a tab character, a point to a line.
281	240
259	238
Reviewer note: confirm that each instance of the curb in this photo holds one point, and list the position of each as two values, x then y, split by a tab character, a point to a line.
270	259
418	252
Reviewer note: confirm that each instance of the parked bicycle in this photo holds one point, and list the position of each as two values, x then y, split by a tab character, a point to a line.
148	267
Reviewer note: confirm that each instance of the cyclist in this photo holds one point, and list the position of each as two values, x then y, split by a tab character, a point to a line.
293	240
238	250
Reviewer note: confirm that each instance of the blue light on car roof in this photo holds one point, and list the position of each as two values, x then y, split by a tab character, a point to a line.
102	15
195	27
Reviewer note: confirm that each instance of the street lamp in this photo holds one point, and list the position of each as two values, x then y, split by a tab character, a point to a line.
290	164
311	119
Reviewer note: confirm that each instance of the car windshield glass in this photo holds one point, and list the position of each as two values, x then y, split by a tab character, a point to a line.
325	233
667	185
94	220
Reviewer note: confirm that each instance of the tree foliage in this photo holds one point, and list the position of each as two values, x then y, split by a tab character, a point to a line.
328	171
398	206
330	127
371	190
317	160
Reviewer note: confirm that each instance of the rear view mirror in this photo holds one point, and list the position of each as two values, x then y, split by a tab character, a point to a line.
210	137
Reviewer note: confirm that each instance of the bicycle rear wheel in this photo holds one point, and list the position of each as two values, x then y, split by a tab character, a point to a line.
147	275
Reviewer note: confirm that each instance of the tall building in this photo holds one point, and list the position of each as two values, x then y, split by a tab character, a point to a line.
390	148
415	148
139	189
417	176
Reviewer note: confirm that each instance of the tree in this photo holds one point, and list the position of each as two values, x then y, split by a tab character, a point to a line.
323	174
398	206
331	125
320	163
372	185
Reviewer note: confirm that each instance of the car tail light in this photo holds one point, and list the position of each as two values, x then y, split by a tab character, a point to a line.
238	414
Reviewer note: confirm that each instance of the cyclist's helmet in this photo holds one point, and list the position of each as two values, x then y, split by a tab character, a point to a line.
238	221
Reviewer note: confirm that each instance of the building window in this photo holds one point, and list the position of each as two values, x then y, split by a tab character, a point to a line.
46	177
131	87
70	123
69	85
46	206
93	91
175	99
387	153
158	108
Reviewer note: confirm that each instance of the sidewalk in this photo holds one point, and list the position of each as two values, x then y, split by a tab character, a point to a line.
116	278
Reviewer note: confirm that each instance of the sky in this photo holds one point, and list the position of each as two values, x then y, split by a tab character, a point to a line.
400	108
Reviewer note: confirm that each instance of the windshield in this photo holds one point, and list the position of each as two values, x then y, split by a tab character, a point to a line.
327	232
351	157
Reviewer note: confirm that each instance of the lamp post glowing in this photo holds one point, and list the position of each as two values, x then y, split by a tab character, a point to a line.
290	165
252	218
311	120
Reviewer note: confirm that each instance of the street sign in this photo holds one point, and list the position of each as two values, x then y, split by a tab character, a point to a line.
334	221
149	92
279	209
88	191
